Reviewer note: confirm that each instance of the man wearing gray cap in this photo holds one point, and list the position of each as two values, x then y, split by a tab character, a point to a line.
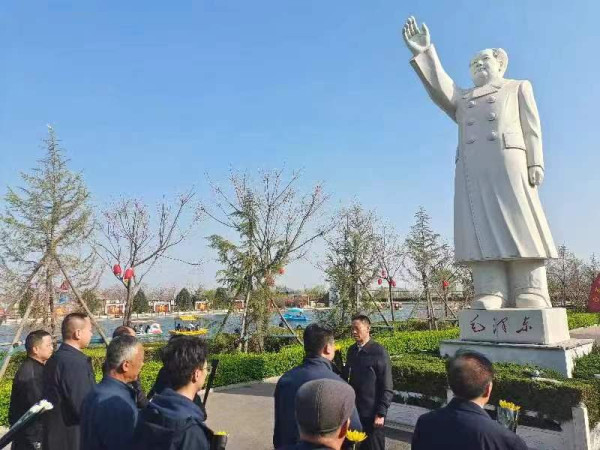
323	410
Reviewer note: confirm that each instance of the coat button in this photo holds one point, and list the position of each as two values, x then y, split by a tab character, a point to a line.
470	140
491	99
493	136
471	103
492	116
470	122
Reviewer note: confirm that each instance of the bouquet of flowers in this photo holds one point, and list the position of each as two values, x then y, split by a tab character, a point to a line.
218	441
354	439
508	415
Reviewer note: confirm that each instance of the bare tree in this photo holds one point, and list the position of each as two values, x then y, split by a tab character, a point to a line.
274	224
390	257
133	239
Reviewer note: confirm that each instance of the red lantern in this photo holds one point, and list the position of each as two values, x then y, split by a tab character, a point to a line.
117	270
379	281
128	274
281	271
393	283
445	284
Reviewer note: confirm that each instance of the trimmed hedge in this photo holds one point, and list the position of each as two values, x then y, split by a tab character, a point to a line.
416	368
426	375
582	319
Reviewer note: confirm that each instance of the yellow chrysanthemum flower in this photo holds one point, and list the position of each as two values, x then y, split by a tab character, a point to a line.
337	347
509	405
356	436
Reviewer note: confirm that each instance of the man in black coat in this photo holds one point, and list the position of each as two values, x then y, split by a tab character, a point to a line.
27	389
109	413
369	371
319	347
68	378
463	424
172	421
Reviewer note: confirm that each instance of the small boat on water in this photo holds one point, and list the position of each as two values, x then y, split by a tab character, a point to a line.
189	325
144	328
295	314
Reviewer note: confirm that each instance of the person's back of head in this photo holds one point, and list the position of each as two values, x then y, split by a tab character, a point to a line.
38	345
123	330
124	358
76	330
470	376
318	341
323	410
185	362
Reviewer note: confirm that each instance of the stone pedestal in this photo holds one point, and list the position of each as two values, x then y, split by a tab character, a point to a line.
515	325
559	356
523	336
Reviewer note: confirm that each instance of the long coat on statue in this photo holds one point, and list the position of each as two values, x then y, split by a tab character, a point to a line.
497	213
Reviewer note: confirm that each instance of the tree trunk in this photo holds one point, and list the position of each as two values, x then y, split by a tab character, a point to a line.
244	328
391	301
128	306
16	338
50	295
82	302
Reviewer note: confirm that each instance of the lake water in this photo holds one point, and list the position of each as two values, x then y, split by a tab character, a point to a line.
167	323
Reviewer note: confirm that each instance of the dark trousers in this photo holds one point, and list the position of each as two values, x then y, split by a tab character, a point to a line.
375	436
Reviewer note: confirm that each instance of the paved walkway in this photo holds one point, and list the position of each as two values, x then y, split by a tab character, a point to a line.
586	333
246	413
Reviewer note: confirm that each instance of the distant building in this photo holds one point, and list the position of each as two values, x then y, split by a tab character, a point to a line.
201	305
161	307
114	307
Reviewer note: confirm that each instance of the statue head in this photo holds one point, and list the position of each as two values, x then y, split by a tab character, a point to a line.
488	65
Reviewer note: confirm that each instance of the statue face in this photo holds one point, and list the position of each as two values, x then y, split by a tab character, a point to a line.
484	67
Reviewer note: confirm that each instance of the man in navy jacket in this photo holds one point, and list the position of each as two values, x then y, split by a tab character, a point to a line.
109	412
320	350
172	421
463	424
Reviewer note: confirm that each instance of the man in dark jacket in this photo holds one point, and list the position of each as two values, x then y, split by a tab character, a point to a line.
162	382
172	421
319	347
140	396
27	389
68	378
109	413
463	424
369	371
323	409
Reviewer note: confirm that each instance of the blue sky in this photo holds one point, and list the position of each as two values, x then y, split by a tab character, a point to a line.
147	97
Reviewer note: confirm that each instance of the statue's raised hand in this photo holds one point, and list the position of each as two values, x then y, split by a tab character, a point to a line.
416	40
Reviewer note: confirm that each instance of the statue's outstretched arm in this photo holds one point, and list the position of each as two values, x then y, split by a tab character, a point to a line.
440	87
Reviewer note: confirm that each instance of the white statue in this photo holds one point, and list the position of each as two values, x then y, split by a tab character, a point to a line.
500	229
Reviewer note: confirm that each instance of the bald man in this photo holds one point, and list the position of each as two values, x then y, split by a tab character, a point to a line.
68	378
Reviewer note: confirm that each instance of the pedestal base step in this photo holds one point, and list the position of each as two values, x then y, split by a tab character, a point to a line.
559	356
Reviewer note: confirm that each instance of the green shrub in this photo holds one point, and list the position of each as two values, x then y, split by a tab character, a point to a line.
426	375
582	319
589	365
416	367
